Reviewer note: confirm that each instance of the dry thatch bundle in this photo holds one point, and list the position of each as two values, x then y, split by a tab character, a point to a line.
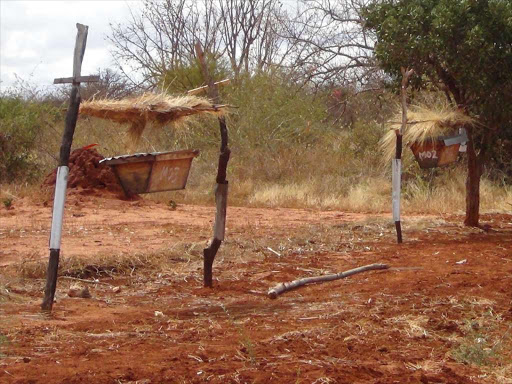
158	109
423	124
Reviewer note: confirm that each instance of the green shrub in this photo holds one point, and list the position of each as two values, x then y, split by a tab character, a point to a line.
21	122
273	113
188	75
7	202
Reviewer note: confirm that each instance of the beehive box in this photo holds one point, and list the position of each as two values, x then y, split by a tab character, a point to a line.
439	151
434	153
152	172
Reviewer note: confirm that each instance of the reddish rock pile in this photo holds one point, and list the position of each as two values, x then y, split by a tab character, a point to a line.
87	175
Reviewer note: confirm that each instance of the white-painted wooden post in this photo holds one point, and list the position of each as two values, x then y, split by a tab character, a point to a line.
396	181
63	170
397	161
58	206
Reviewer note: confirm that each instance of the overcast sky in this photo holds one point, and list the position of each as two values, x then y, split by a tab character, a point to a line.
37	37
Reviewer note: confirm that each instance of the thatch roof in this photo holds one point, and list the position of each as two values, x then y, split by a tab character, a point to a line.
159	109
422	124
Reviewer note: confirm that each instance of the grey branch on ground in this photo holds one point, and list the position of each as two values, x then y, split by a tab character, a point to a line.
273	293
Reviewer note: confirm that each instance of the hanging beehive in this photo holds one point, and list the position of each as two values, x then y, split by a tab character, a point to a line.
158	171
439	151
430	135
152	172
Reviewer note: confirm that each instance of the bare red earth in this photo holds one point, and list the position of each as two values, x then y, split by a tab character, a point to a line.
403	325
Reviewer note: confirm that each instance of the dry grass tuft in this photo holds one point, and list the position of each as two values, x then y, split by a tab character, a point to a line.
411	325
159	109
423	124
108	265
447	195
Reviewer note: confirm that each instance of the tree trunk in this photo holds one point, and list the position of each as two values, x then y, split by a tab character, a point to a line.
472	184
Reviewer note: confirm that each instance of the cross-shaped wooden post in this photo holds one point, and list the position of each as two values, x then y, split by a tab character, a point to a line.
63	170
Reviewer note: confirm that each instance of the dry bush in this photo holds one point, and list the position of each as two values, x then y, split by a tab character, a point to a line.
285	152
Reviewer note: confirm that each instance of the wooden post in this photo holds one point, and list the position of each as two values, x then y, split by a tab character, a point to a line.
221	190
221	198
63	170
397	161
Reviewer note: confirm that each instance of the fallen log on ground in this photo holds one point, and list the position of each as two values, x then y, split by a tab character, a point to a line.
285	287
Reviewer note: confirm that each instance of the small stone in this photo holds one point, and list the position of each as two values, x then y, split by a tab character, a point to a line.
81	292
116	289
26	359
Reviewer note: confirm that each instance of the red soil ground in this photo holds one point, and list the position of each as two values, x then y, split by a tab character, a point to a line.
447	295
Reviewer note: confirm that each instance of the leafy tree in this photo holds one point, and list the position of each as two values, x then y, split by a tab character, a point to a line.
462	47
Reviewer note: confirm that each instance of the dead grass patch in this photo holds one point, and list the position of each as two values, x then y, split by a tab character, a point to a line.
110	265
413	326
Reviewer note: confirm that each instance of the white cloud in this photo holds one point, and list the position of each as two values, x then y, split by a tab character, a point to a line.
37	38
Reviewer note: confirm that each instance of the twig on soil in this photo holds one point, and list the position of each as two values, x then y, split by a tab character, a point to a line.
274	252
285	287
197	358
85	281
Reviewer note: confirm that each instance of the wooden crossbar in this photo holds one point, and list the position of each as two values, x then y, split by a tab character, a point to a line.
76	80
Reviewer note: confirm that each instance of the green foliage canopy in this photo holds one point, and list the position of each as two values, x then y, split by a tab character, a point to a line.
463	47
